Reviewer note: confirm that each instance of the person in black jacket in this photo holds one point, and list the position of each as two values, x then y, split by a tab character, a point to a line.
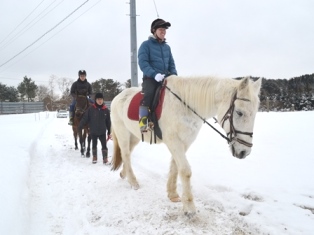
97	116
81	86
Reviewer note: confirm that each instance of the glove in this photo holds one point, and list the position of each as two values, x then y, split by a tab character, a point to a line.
159	77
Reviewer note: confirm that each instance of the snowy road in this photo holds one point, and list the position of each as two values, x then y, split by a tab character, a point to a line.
47	188
69	195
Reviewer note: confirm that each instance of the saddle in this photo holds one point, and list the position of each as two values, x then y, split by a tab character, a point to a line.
154	111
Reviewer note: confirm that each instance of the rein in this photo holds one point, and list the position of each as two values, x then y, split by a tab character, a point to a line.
203	119
82	110
229	115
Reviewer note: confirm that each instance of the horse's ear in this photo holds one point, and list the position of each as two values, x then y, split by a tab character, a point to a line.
244	83
257	85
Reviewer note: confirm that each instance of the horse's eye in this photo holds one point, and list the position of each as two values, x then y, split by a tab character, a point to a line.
240	114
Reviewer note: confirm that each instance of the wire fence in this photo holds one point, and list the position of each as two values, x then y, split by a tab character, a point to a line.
21	107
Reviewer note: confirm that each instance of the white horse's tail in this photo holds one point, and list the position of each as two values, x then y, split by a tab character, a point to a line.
116	159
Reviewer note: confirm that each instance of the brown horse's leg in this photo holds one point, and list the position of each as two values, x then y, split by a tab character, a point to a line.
83	140
75	136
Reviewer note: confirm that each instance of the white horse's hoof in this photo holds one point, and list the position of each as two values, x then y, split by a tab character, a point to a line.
189	215
135	186
121	175
175	199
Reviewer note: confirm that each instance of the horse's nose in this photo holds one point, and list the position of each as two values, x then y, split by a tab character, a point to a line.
242	154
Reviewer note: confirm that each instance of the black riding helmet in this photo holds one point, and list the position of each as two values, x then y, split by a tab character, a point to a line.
99	96
159	23
82	72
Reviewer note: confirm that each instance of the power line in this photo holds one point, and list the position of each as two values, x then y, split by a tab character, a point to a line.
20	79
52	36
43	34
22	21
25	29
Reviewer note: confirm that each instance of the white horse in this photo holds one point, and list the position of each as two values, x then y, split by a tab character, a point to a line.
234	102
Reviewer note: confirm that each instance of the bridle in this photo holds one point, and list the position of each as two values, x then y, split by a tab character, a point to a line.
232	134
81	110
229	115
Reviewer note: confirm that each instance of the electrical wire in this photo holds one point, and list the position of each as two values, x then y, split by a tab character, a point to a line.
25	29
22	21
43	34
49	39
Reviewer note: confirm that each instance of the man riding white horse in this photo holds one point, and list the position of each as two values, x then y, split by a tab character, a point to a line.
81	86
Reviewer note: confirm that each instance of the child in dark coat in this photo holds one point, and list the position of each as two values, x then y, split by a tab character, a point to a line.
97	117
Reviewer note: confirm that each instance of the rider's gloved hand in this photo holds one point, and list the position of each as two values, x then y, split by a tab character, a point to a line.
159	77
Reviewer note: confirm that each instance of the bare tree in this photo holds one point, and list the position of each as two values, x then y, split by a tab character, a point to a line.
52	84
65	86
42	92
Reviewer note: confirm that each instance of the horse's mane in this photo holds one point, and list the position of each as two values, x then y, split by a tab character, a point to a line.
200	92
197	92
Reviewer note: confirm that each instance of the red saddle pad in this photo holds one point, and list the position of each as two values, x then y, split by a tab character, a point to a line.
133	111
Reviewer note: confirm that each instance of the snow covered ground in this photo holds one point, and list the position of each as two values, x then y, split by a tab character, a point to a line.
47	188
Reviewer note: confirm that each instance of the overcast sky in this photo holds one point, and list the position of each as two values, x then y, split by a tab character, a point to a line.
270	38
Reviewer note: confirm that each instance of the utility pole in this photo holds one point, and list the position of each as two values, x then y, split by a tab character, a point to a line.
134	77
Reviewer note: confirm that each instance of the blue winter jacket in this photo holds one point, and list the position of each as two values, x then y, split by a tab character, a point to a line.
155	57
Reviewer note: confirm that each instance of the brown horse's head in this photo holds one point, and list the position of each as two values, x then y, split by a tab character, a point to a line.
81	105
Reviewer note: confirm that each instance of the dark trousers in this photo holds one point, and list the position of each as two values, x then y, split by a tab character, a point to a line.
72	105
149	87
102	139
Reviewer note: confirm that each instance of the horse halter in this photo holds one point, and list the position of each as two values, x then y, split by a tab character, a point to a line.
81	110
233	132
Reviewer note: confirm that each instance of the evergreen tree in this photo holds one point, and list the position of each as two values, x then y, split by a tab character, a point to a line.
27	89
10	94
108	87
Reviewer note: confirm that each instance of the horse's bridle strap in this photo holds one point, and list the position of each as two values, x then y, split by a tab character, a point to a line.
233	132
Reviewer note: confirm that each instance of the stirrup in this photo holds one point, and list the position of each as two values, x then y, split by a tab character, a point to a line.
144	129
146	125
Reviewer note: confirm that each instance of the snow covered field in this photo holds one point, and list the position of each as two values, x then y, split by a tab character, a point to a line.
47	188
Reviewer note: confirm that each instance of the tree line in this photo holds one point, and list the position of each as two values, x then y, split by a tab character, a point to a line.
56	95
296	93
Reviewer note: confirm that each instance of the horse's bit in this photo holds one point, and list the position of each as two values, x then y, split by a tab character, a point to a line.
233	132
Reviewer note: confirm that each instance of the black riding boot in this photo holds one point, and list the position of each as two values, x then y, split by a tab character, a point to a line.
94	155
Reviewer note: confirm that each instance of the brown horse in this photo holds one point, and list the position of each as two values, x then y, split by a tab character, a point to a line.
81	106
